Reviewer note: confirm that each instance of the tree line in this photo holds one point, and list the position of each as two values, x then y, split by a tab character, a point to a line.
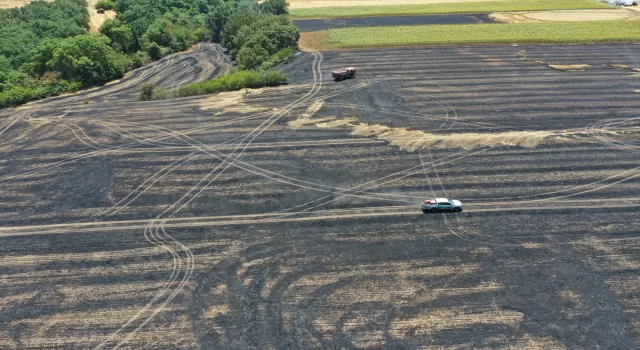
46	49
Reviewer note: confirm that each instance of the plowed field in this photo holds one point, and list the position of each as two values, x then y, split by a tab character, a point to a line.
289	218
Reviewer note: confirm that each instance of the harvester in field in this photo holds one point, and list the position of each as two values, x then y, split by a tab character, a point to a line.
342	74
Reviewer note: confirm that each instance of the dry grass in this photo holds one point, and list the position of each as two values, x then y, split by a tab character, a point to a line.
566	16
231	101
569	67
15	3
412	140
314	41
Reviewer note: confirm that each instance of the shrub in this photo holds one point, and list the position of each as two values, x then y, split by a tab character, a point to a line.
105	4
147	92
162	94
154	51
282	56
236	80
251	57
21	94
17	95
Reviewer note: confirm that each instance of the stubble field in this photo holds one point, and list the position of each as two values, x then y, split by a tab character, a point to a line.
289	218
358	8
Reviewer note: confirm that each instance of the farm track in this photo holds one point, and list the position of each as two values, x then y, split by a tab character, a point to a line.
208	222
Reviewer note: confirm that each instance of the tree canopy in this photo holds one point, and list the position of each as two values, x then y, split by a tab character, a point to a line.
45	47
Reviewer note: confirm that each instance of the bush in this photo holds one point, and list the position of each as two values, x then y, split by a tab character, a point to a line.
105	4
154	51
251	57
282	56
21	94
18	95
236	80
147	92
162	94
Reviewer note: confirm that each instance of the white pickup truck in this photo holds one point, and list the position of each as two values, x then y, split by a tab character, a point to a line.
436	205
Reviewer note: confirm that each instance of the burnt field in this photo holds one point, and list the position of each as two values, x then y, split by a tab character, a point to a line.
289	218
310	25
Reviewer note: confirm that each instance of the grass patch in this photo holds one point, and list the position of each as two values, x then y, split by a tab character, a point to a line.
539	32
234	81
447	8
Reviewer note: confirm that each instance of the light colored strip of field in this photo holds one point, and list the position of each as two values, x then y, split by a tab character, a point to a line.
370	8
413	140
566	16
4	4
305	4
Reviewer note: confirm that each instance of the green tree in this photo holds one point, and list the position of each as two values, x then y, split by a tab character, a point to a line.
154	51
275	7
105	4
121	36
16	44
283	36
233	26
251	57
217	18
9	77
147	92
85	58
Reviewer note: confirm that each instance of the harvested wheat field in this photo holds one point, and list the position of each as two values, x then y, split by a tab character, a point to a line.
289	217
14	3
567	16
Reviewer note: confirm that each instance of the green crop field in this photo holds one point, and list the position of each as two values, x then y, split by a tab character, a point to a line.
443	8
578	32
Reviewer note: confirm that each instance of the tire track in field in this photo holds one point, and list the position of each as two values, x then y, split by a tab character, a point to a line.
246	141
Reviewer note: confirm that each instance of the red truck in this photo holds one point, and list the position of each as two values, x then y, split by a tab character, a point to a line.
346	73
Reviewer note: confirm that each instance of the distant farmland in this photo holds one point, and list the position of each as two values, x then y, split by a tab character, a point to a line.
4	4
443	7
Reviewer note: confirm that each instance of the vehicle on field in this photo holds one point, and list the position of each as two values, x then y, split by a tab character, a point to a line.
437	205
100	10
342	74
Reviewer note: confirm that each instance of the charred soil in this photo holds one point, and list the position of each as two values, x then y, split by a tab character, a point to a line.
269	219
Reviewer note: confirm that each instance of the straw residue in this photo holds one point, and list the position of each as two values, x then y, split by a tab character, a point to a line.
569	67
412	140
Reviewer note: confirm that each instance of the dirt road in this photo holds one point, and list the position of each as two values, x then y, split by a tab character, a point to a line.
267	219
4	4
96	19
